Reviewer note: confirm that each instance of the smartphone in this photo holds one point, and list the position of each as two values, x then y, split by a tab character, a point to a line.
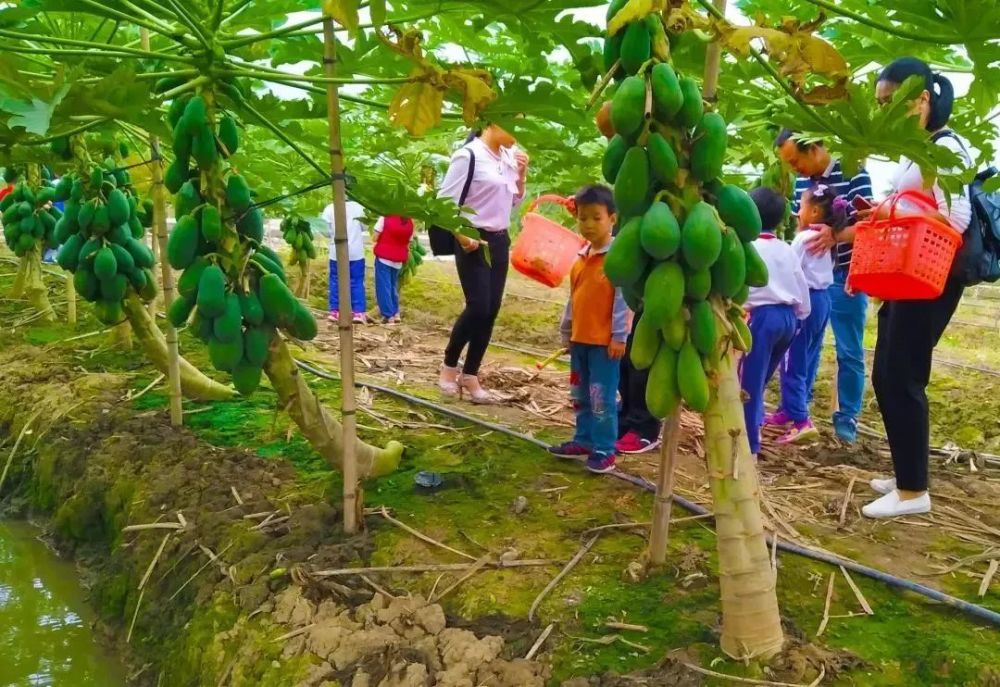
860	203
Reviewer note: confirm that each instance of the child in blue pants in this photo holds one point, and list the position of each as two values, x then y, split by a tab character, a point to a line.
820	205
595	326
774	309
356	262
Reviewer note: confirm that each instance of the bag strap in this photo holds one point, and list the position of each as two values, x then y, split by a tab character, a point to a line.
948	133
468	179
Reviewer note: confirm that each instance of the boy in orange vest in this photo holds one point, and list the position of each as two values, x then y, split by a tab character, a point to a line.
595	326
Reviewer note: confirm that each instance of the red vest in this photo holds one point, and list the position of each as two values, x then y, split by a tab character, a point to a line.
393	242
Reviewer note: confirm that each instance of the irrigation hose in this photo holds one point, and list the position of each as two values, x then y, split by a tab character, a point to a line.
978	612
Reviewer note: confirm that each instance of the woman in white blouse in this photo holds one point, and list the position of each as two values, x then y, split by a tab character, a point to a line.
908	331
497	187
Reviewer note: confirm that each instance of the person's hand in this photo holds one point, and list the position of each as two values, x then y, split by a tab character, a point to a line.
522	160
823	241
864	213
469	245
616	350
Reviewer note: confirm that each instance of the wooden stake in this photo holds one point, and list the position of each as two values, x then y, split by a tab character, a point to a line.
847	501
70	302
988	577
539	642
663	501
349	407
865	606
713	58
166	275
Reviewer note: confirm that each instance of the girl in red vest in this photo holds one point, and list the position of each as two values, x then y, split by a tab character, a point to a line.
392	249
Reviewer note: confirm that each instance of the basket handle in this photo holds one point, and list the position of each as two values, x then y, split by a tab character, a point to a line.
918	197
568	203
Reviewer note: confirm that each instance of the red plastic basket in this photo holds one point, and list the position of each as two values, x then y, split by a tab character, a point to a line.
906	257
544	250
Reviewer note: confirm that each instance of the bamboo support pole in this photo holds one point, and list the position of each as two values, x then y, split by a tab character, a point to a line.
166	276
713	59
660	530
70	302
352	502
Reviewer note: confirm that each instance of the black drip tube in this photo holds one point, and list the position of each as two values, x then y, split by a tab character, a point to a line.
973	610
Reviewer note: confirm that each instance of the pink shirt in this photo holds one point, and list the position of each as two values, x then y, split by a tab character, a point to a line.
493	193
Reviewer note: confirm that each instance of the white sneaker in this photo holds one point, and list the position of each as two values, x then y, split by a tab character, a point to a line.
883	486
890	506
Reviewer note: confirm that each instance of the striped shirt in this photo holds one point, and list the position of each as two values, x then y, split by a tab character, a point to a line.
858	185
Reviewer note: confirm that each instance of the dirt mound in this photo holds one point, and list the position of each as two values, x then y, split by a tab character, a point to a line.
395	642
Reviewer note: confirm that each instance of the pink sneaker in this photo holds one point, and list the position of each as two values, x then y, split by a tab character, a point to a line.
800	432
360	318
334	316
632	444
778	418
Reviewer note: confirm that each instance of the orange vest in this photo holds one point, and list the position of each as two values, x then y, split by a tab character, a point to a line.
592	300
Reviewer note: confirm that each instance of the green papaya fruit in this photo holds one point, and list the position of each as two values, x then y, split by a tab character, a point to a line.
176	175
741	296
135	228
691	379
203	147
742	338
730	271
636	46
691	111
702	327
697	284
182	144
708	151
86	214
662	159
632	183
667	95
113	289
253	311
228	325
613	8
662	395
251	225
212	292
119	235
69	255
756	268
195	114
625	262
237	193
278	302
246	377
229	135
176	110
664	292
105	265
211	223
738	210
659	231
613	157
674	330
225	356
86	284
701	237
179	311
123	259
303	325
109	312
182	245
118	208
187	199
612	53
628	107
140	253
646	341
256	341
187	283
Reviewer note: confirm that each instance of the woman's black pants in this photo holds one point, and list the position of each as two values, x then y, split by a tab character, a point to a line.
483	285
908	331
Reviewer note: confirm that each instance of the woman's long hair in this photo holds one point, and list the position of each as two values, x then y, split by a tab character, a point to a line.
942	93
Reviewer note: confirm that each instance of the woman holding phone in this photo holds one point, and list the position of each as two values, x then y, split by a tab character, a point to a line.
908	330
495	189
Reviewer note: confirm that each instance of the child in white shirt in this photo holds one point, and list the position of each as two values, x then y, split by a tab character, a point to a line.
775	310
820	206
356	262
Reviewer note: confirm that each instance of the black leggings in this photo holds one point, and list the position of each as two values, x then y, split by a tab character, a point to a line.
634	415
483	285
908	331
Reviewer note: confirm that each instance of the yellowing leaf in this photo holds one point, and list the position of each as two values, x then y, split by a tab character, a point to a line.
822	57
634	10
474	85
417	107
344	12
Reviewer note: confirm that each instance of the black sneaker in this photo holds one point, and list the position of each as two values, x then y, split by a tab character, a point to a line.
600	463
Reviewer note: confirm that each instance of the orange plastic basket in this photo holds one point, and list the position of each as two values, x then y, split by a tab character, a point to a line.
906	257
544	250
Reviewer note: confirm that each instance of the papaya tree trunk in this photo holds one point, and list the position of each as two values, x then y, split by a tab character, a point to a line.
28	284
122	335
751	624
323	432
302	288
194	383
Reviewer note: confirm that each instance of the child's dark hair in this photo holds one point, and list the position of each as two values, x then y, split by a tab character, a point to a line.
941	91
836	209
596	194
771	205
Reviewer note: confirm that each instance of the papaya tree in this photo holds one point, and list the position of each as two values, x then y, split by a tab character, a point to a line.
29	221
298	234
684	257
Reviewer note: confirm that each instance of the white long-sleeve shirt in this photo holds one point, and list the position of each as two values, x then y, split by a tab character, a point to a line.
493	193
786	283
355	231
909	178
818	269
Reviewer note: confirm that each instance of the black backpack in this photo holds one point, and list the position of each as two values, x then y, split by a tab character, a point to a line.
978	258
442	240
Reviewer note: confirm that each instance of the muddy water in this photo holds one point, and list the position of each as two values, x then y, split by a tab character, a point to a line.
45	635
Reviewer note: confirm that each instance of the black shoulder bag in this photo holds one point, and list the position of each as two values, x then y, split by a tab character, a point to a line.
442	240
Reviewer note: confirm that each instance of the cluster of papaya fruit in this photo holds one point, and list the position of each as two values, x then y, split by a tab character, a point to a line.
413	261
29	219
298	234
683	257
101	233
232	287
